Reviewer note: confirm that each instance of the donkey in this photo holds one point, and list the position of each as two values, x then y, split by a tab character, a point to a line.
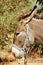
30	31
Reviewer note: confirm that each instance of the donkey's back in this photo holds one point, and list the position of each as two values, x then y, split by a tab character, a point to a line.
37	27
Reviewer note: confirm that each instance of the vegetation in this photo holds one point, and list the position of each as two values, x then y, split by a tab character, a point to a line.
10	8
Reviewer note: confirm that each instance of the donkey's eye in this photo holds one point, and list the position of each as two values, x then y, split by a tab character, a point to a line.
17	34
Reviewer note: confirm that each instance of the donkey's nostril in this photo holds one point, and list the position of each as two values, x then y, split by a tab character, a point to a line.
17	33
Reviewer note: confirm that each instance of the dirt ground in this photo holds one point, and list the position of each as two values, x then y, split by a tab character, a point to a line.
21	62
33	59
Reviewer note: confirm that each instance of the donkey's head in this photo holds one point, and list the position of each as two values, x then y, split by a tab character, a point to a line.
20	35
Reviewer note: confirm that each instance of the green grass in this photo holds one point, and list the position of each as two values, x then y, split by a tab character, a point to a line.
10	8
